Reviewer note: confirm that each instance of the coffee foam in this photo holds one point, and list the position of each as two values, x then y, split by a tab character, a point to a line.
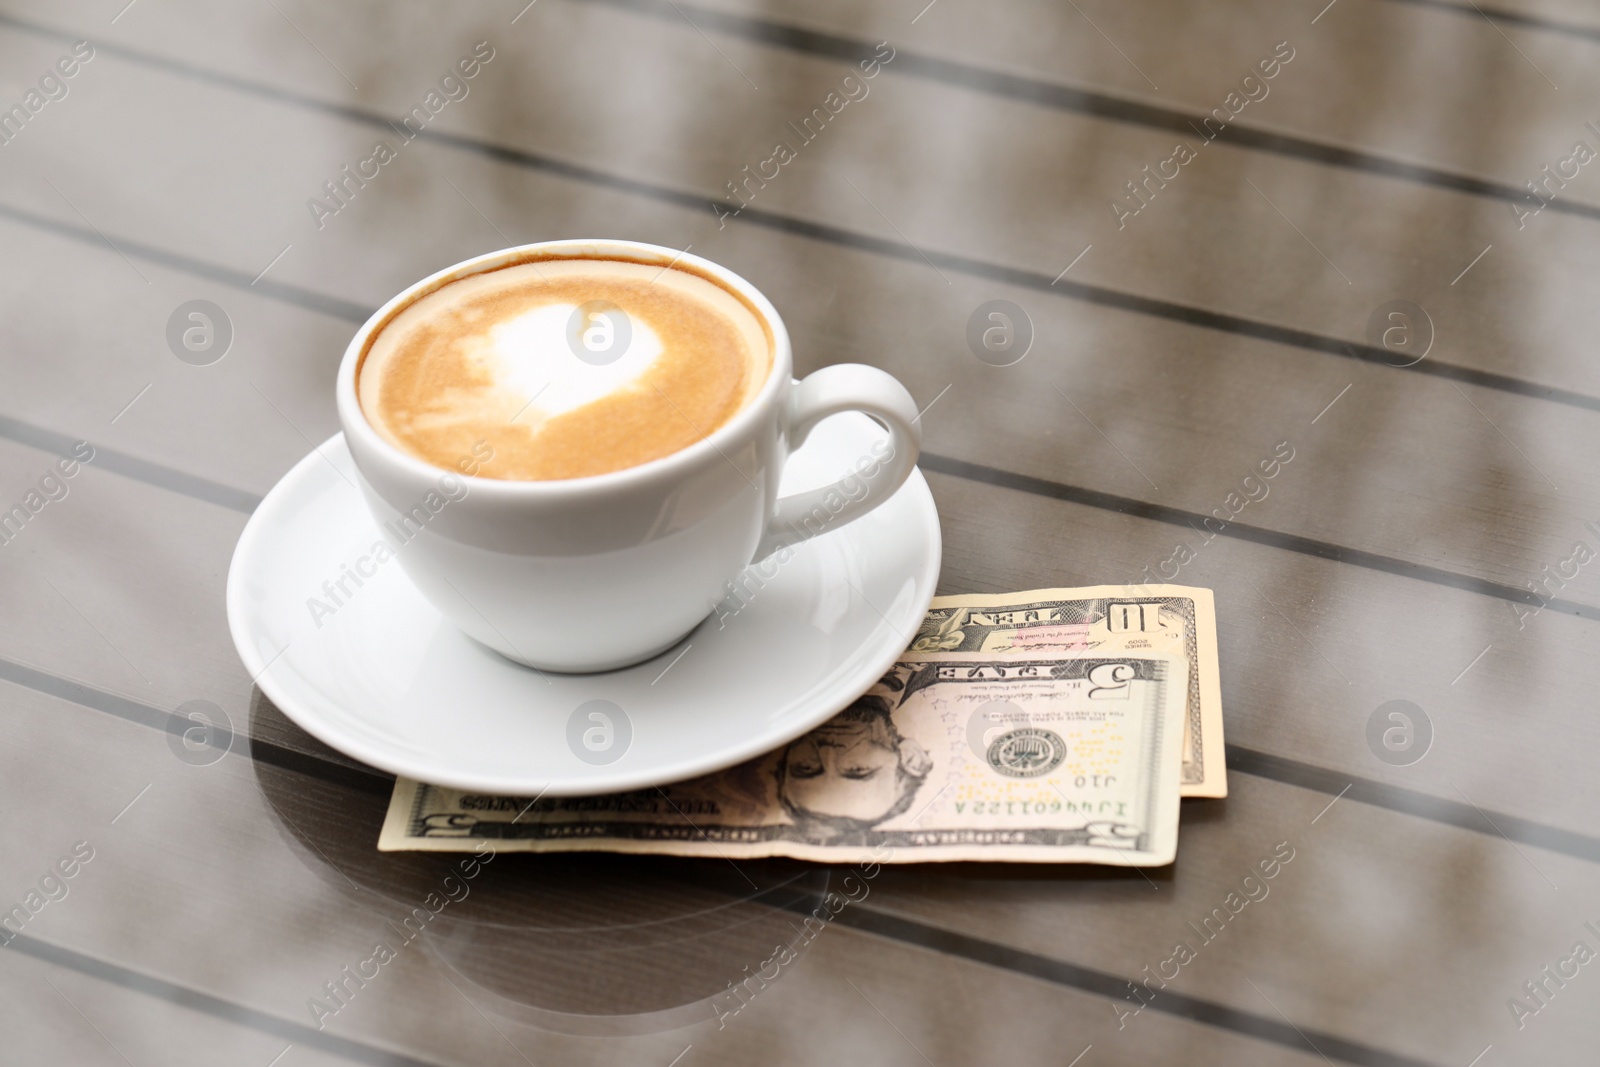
494	358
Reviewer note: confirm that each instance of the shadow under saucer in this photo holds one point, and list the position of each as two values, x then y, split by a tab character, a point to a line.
581	943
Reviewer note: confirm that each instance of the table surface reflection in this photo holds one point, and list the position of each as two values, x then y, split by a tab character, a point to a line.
1358	232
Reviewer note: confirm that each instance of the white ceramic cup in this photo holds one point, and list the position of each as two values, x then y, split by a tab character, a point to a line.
600	572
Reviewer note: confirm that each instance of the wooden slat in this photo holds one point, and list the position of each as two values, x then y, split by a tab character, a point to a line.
1567	18
1357	935
1368	75
131	1024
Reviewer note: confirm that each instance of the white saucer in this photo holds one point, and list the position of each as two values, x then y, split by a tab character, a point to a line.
387	680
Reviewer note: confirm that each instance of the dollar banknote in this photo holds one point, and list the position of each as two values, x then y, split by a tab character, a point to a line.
1063	757
1106	620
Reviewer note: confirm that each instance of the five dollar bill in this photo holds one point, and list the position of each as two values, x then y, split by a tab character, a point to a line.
1050	726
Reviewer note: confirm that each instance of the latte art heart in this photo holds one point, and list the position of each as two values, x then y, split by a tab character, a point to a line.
540	359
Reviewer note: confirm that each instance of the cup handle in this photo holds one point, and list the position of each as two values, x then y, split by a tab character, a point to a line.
874	477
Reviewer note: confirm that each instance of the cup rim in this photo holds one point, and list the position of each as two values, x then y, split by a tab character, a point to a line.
354	421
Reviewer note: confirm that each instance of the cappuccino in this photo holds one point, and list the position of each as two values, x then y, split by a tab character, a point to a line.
566	367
